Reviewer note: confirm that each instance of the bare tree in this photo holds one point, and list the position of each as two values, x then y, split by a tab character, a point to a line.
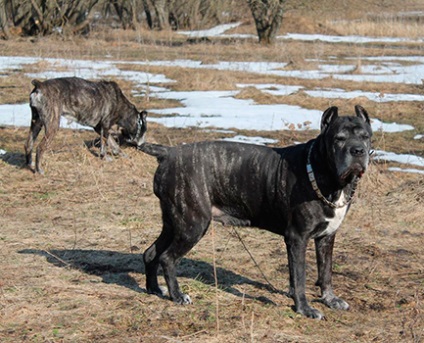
148	13
46	16
3	19
162	13
187	14
268	16
43	17
126	11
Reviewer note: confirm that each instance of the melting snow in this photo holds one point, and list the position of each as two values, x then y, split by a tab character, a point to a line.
221	109
399	158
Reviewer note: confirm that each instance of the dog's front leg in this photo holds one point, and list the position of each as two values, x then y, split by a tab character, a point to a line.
114	147
102	143
296	251
324	251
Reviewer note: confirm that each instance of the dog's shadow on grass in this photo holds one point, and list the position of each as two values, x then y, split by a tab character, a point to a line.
115	268
93	145
16	159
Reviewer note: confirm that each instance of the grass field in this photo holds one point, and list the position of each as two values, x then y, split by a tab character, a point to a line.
71	242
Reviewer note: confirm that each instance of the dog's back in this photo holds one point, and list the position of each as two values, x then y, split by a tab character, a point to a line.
222	174
83	101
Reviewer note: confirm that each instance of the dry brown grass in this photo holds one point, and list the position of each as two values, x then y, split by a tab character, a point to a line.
71	242
72	270
382	28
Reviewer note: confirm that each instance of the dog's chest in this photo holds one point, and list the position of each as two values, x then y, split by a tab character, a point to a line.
334	223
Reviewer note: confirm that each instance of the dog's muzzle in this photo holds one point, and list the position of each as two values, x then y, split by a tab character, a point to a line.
356	163
139	138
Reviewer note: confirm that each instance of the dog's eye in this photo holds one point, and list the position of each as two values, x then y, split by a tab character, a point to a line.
340	138
364	137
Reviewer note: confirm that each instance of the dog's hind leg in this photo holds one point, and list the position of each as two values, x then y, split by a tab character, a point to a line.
51	126
180	234
35	128
151	261
324	251
182	243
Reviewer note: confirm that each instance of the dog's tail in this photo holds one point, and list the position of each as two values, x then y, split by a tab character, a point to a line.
157	150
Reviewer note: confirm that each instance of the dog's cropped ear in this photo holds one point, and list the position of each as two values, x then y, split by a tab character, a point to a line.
328	116
361	113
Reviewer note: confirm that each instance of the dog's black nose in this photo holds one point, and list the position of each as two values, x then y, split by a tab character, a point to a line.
357	151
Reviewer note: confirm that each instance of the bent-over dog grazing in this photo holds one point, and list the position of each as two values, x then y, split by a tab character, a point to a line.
99	105
301	192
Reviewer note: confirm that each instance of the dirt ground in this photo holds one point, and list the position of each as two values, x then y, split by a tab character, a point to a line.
71	242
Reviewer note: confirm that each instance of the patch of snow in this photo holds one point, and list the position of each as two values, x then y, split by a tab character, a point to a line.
219	131
378	125
353	39
89	69
252	140
335	93
220	109
204	109
406	170
219	31
20	115
212	32
399	158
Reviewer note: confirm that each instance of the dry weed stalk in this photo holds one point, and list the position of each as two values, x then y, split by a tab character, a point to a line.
215	276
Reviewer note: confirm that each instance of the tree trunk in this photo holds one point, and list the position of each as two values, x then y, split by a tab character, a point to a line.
268	16
3	19
162	13
148	14
126	11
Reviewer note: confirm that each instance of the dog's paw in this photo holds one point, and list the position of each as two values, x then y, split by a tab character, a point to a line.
183	299
159	291
310	312
335	303
163	291
39	170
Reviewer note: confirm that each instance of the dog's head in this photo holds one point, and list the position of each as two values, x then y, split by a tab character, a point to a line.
135	128
347	142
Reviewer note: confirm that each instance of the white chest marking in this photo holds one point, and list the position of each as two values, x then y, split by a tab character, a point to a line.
335	222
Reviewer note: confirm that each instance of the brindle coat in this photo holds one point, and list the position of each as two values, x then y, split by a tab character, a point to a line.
270	188
99	105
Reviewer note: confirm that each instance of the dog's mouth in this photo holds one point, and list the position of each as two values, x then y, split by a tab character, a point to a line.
132	139
354	170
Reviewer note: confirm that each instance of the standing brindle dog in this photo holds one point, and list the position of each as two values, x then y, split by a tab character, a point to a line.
301	192
99	105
